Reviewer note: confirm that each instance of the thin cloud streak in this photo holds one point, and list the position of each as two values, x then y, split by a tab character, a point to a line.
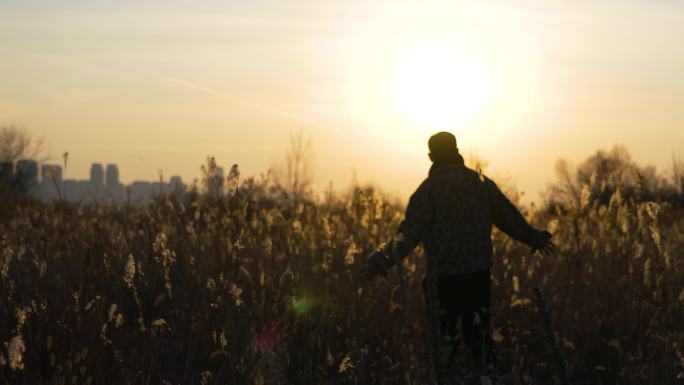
254	106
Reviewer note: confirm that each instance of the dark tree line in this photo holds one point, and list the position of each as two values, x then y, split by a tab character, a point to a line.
595	180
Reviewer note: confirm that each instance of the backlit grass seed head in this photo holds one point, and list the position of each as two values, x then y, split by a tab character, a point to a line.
15	352
296	227
653	210
211	284
22	315
366	217
103	335
623	218
585	197
5	260
325	264
119	321
655	234
159	324
616	199
112	312
516	284
327	232
163	254
345	364
166	258
41	266
236	292
268	245
552	226
377	210
205	378
352	250
129	271
233	180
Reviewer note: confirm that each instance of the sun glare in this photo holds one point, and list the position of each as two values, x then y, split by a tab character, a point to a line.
415	69
436	87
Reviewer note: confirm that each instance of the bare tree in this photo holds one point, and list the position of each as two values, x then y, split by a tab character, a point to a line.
16	145
295	176
567	189
476	162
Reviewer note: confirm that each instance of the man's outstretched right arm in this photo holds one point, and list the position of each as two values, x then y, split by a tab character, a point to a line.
411	231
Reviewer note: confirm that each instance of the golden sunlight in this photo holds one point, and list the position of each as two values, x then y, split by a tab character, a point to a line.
414	70
437	87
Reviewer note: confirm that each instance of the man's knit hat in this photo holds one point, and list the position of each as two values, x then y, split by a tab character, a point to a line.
442	144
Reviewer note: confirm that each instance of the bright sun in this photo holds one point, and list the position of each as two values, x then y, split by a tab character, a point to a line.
450	66
436	87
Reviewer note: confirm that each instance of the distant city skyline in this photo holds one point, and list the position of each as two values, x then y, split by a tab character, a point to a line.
102	187
82	169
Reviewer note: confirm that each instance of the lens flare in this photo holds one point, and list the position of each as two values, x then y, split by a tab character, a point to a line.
301	306
267	339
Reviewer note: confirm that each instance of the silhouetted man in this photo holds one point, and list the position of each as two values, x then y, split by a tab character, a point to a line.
452	213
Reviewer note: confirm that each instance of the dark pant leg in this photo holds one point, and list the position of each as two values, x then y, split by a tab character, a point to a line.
474	307
466	297
449	313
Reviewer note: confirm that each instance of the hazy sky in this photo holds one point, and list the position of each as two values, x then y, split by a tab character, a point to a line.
163	84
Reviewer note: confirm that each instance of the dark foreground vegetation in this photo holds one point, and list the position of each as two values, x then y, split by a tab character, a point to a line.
259	286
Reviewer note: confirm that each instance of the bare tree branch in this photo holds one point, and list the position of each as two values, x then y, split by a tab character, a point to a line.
17	144
295	176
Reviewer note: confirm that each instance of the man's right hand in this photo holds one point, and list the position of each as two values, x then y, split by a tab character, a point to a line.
375	265
544	244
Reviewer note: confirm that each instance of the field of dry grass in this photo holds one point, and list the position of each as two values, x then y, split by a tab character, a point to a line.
255	288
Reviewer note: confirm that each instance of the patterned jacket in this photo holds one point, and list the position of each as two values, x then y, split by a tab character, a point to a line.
452	213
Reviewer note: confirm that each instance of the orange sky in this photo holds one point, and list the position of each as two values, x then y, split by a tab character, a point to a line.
164	84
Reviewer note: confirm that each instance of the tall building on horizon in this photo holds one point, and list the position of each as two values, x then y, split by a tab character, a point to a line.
114	190
112	175
96	175
93	193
